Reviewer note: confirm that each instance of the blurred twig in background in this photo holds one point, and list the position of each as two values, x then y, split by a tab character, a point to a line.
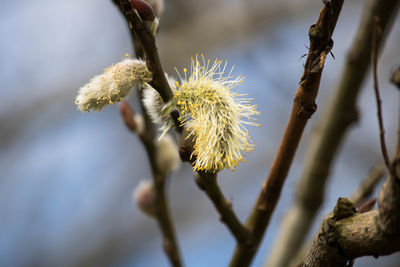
368	185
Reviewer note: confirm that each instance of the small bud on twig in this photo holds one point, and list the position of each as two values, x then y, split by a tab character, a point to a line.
127	114
144	196
167	154
133	121
366	205
144	9
146	13
396	78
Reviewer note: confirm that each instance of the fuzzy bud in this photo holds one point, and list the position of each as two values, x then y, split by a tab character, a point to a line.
144	196
167	154
113	85
140	123
158	111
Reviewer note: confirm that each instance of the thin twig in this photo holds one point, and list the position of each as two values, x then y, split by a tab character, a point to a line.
208	183
162	213
161	85
376	35
303	107
148	43
373	233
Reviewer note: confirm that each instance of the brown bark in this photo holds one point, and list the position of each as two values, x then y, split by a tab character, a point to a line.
375	233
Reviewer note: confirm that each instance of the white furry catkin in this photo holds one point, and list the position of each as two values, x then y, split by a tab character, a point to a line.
113	85
144	196
158	111
167	154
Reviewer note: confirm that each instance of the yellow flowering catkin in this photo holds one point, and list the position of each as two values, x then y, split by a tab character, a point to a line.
113	85
214	115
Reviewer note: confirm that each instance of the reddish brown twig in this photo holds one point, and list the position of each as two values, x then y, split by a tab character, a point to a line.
208	183
339	113
303	107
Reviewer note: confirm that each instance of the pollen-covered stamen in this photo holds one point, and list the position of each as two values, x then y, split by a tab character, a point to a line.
213	115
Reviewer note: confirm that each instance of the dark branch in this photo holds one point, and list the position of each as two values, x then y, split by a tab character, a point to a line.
208	183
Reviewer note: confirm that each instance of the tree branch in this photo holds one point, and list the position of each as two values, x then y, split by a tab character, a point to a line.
162	213
364	191
351	235
208	183
147	137
303	107
148	44
341	239
339	114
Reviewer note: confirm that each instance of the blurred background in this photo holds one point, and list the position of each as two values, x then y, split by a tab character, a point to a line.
66	178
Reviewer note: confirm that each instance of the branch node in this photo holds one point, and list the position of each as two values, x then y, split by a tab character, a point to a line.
315	32
344	208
